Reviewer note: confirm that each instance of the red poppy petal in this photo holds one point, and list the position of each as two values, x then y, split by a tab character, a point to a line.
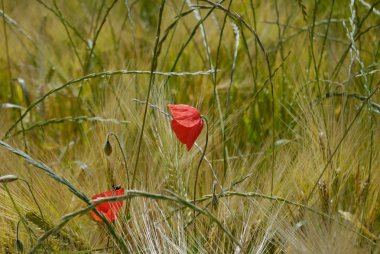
187	135
103	207
187	123
95	216
119	192
193	135
108	209
180	131
110	215
185	115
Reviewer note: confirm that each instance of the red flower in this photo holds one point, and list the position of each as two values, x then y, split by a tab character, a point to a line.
109	209
187	123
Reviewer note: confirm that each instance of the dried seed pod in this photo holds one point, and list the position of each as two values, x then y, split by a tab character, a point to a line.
8	178
107	148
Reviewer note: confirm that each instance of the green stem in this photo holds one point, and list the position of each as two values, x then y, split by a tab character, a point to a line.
126	168
151	80
19	245
34	198
341	141
64	181
8	57
237	17
122	152
98	75
197	171
132	194
135	193
88	61
24	222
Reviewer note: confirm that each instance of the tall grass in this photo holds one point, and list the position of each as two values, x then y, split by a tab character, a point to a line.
290	91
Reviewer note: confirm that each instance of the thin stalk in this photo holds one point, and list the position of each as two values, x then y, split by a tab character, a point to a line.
279	34
373	105
356	37
174	29
151	80
237	17
355	55
98	75
369	238
316	70
340	142
256	55
216	95
78	119
197	171
23	133
228	193
8	57
19	245
34	198
64	181
87	65
326	34
189	39
132	194
24	222
135	193
88	61
228	96
62	19
124	156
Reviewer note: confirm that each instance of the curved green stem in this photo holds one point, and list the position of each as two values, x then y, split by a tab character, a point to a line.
34	198
126	167
38	164
24	222
122	152
93	76
19	245
129	195
199	165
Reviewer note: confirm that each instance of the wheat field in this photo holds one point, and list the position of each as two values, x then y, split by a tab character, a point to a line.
287	160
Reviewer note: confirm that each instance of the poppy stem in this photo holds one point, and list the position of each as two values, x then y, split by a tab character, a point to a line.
19	245
197	171
124	156
126	211
34	199
24	222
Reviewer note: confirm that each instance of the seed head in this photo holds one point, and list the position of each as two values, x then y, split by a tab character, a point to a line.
8	178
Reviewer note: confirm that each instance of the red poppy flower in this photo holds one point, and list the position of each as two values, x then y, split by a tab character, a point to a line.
109	209
187	123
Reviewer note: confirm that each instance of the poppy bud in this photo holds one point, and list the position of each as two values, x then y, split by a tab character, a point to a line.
107	148
8	178
19	246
